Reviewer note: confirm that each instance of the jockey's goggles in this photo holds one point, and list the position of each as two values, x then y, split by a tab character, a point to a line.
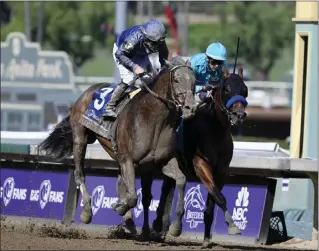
214	61
154	42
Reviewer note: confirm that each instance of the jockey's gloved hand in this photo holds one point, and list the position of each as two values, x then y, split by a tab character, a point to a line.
138	70
204	95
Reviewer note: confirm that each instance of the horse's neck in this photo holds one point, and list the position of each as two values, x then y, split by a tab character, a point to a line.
218	113
160	109
161	86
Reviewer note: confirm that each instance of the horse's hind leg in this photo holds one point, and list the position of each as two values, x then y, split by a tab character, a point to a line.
204	172
163	212
80	139
172	170
208	218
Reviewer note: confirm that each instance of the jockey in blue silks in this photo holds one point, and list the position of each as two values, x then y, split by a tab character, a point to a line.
139	49
208	67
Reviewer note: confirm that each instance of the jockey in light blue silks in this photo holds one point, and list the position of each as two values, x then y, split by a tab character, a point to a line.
208	71
208	67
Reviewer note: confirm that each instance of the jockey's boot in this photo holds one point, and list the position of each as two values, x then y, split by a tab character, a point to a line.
117	94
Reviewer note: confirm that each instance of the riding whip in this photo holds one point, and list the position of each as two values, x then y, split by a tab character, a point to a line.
236	54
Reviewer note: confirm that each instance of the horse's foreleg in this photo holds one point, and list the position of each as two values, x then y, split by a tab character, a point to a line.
128	176
172	170
128	217
80	138
146	183
204	172
163	212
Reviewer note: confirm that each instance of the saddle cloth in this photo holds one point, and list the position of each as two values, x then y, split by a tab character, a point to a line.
92	118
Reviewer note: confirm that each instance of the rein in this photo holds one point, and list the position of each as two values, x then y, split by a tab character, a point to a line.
173	102
218	102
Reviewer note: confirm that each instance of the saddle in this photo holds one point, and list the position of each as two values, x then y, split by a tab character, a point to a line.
92	118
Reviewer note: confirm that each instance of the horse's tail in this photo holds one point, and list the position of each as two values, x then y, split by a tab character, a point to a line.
59	144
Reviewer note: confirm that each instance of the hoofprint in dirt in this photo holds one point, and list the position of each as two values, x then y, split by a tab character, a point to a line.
35	234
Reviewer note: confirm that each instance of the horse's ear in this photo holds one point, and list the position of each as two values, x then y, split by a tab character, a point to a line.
225	72
240	72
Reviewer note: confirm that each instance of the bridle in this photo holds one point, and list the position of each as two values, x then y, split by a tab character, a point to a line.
174	102
217	101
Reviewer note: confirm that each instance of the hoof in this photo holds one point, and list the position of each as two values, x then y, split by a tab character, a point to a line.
130	226
157	226
86	216
119	208
233	230
145	235
205	244
146	231
174	231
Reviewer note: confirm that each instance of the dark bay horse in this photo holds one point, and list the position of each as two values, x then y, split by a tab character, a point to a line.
208	149
145	136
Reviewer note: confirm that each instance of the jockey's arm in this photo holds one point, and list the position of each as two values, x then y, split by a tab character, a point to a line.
126	51
163	52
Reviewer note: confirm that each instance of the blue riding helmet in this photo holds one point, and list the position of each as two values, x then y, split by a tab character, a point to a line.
216	51
154	33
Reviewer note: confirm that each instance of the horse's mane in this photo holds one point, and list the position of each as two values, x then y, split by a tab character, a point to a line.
175	61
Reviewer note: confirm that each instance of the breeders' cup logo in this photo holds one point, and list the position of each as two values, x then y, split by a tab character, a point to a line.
194	206
139	206
241	209
45	189
8	188
91	113
97	198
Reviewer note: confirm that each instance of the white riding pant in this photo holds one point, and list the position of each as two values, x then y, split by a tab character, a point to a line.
147	61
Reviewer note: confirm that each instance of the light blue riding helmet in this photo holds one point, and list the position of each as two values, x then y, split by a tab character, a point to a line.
216	51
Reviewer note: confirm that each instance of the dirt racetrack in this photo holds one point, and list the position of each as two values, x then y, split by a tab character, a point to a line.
22	235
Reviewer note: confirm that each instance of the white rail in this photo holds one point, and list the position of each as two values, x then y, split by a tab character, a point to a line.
265	94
